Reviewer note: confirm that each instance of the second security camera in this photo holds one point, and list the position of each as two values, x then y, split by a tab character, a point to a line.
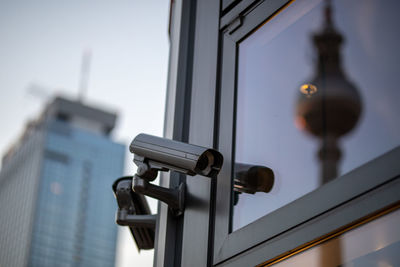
153	154
165	154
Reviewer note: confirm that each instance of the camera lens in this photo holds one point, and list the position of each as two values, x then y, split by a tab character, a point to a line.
205	162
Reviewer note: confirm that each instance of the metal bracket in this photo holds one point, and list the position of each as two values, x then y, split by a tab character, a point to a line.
132	220
174	198
147	171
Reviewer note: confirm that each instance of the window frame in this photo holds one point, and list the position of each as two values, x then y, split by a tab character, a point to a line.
363	191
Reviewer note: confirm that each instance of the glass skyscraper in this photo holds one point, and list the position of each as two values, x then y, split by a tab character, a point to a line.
56	204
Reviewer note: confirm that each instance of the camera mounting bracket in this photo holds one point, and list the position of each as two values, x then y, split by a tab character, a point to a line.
147	171
132	220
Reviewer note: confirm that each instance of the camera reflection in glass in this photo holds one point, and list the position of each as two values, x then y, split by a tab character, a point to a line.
251	179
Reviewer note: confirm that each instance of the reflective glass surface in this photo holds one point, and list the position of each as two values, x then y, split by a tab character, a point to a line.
317	96
375	244
74	223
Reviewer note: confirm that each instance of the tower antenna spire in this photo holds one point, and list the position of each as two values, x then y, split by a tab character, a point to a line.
84	75
328	14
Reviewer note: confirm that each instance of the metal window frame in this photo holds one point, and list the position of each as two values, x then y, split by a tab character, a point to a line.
363	191
169	229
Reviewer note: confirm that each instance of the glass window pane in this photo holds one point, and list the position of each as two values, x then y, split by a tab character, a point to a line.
375	244
316	97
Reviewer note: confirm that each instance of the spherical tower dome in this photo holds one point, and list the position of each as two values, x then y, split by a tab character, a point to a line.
329	104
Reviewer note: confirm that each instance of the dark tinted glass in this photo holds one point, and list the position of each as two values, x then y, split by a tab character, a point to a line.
317	96
375	244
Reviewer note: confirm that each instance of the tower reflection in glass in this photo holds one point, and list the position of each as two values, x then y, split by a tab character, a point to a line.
329	106
335	91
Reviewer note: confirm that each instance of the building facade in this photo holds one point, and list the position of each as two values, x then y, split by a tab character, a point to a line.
306	89
56	205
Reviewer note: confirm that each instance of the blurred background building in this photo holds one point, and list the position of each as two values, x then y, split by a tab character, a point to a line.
41	55
56	204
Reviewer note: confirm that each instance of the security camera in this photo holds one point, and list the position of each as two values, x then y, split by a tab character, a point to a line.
163	154
153	154
133	211
253	178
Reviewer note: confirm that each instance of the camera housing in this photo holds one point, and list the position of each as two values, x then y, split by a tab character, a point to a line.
161	154
251	179
153	154
133	211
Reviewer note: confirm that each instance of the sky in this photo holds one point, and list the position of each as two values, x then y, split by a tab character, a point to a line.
42	43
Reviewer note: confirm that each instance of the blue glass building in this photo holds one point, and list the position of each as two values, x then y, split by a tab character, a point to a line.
65	165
